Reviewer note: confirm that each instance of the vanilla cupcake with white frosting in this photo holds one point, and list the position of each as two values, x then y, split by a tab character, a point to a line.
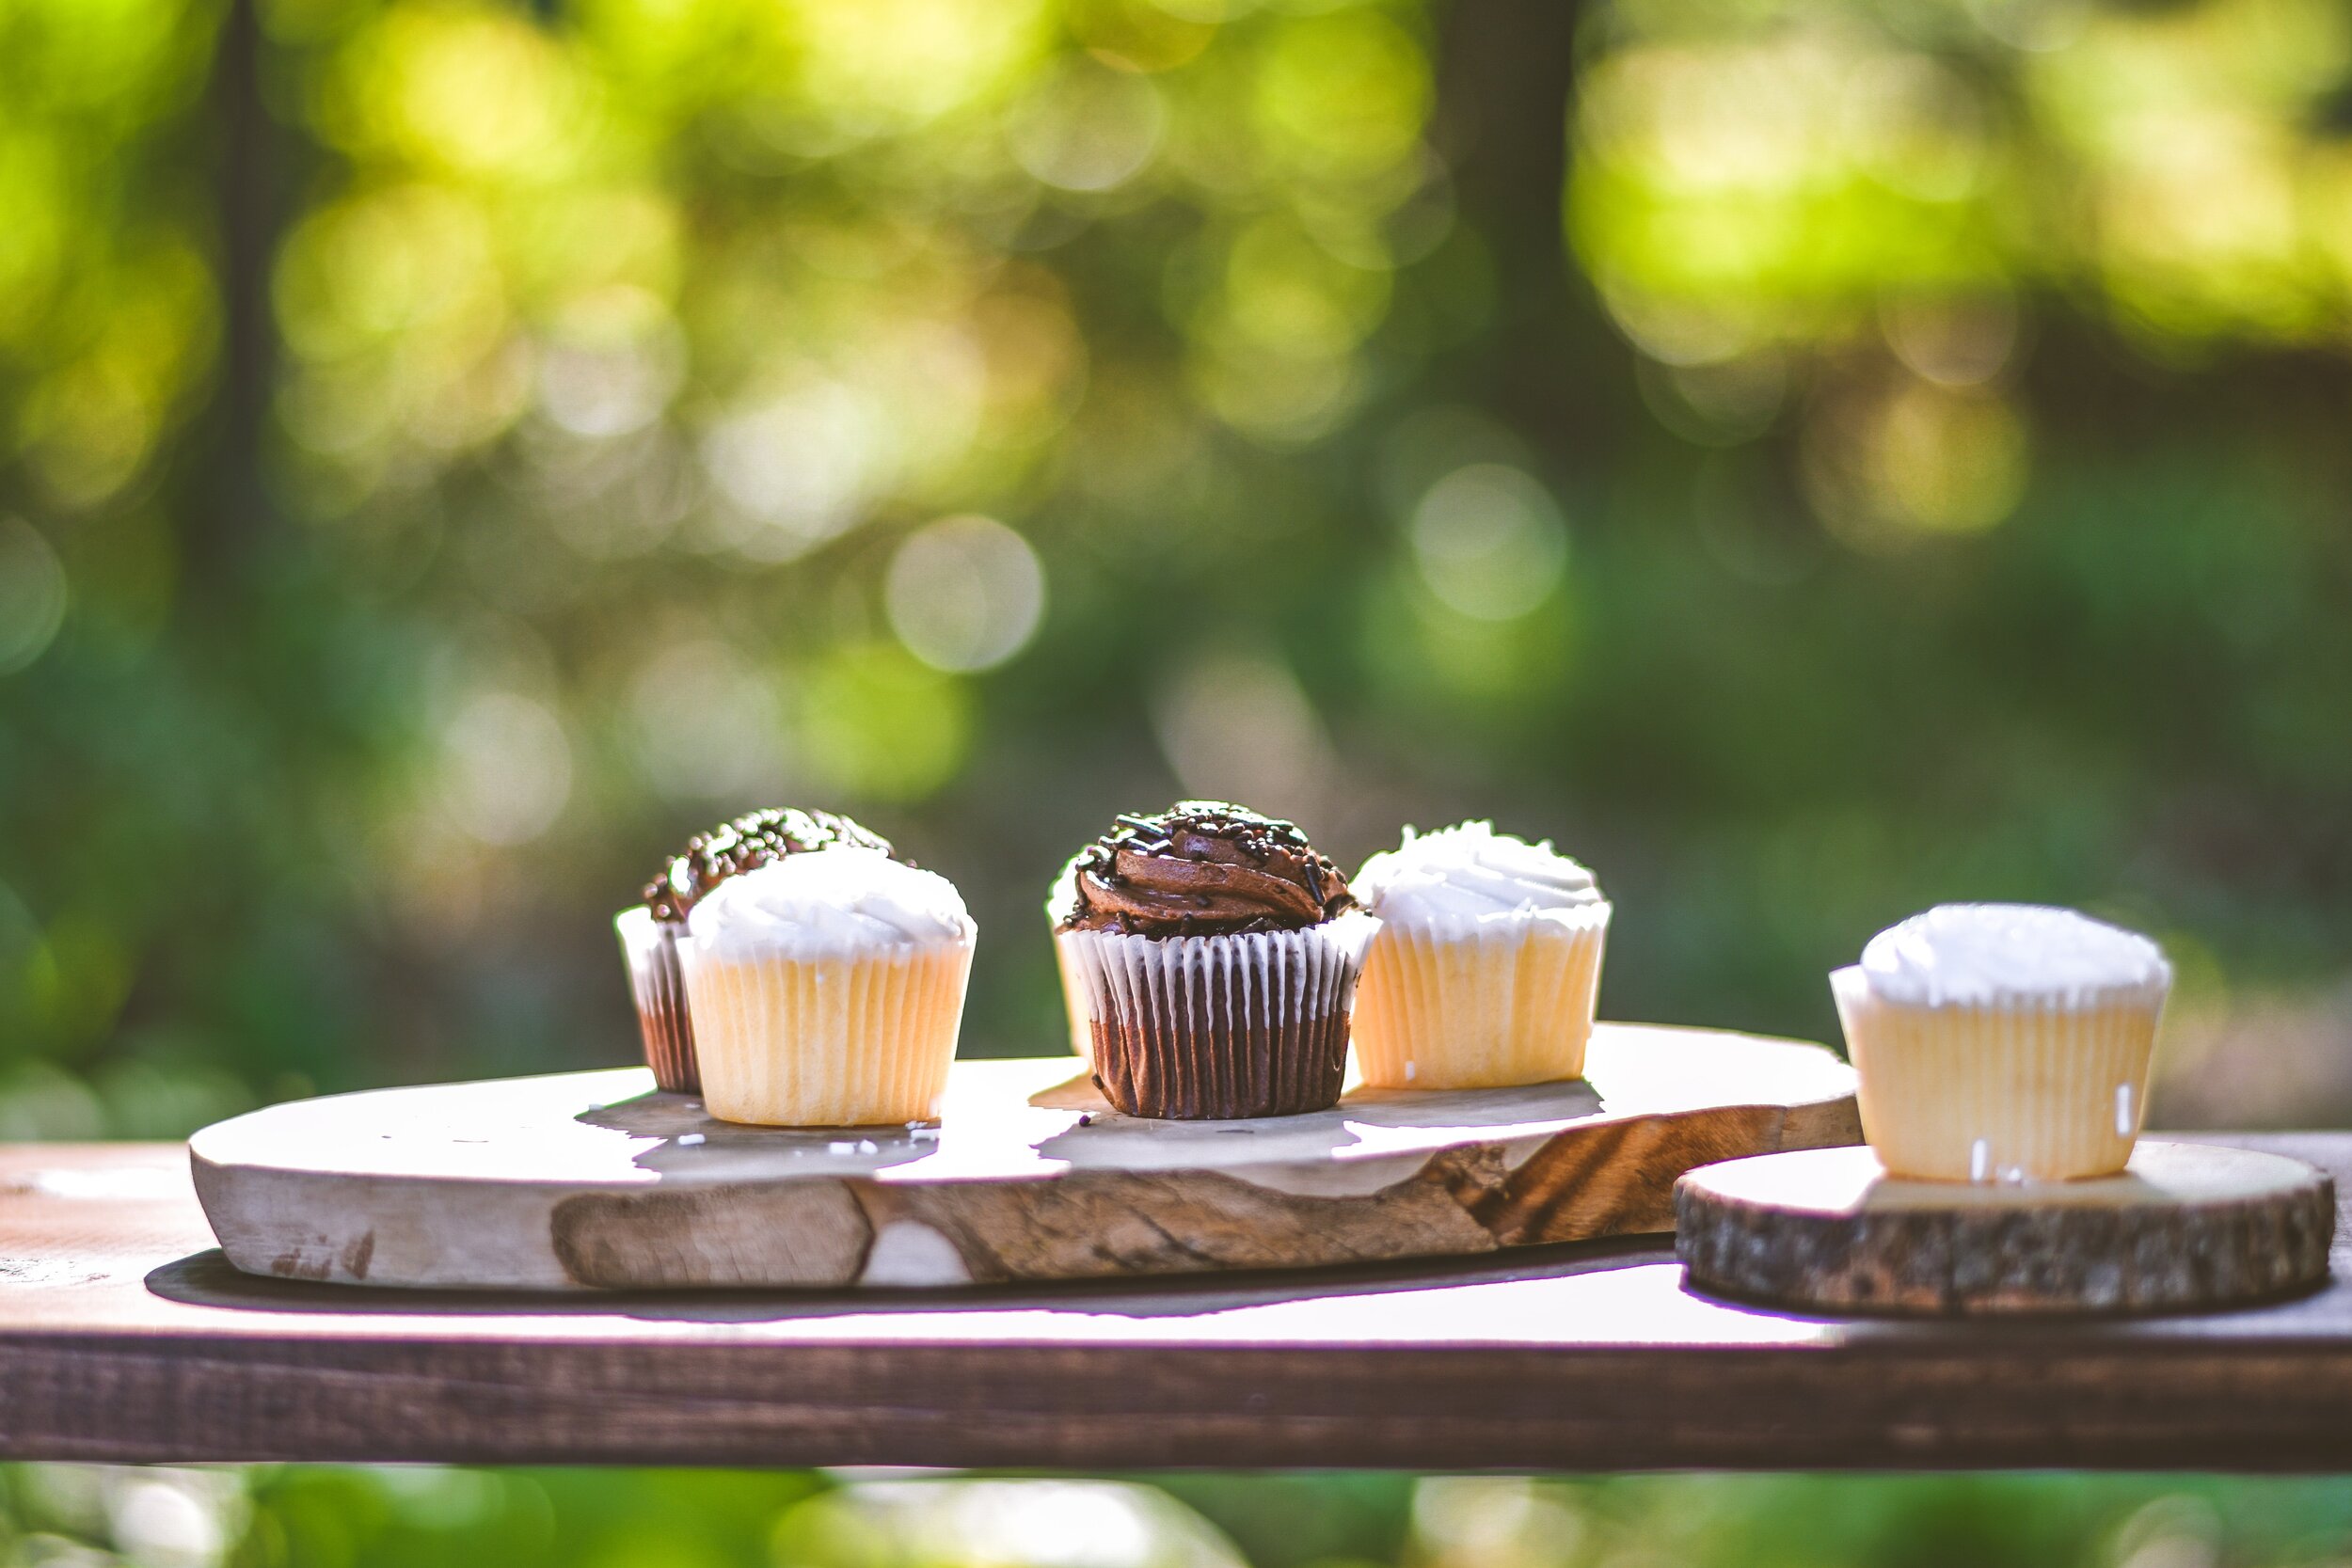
827	990
1486	966
2004	1042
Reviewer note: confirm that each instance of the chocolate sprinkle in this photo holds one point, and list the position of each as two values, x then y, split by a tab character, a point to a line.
750	841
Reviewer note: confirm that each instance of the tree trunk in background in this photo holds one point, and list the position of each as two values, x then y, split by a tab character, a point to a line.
229	518
1506	84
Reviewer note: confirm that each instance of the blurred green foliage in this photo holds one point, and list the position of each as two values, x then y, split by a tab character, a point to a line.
320	1517
1812	459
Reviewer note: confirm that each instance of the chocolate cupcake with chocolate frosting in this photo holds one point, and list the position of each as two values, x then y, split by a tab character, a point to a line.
649	932
1212	954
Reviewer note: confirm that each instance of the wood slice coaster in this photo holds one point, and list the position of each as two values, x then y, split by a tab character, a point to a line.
587	1180
2186	1227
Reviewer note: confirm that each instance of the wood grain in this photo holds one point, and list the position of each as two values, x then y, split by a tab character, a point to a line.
2188	1227
587	1180
124	1337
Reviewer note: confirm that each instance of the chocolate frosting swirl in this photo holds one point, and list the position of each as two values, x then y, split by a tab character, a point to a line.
751	840
1200	868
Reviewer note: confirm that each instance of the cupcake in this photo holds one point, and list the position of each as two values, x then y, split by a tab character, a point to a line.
2003	1043
1485	965
826	989
649	932
1217	956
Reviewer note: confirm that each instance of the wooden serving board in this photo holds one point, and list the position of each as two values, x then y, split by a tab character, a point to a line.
590	1181
2188	1227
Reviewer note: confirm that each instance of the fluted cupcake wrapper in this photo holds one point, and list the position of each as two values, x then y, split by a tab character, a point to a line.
1205	1028
828	1040
655	978
2032	1090
1480	1003
1073	995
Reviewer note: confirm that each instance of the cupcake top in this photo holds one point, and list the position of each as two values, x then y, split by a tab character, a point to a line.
1470	871
848	900
1199	868
1977	955
751	840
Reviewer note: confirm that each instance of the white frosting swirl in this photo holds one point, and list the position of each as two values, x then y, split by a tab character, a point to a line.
1975	955
1061	899
1471	872
837	902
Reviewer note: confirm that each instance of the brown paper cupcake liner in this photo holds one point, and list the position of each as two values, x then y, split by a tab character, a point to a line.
659	985
1219	1027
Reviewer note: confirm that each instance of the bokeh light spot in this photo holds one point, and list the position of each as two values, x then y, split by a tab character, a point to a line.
1955	463
1236	725
176	1519
1957	342
1007	1524
908	61
801	465
1490	542
2036	26
965	593
1137	35
1719	404
470	89
33	594
507	767
1887	467
1087	127
1343	94
708	725
611	363
1490	1519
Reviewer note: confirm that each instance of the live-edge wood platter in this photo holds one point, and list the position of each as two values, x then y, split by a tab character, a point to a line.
590	1181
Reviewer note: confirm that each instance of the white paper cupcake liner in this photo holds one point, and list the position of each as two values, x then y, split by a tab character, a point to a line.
2031	1089
657	983
1245	1024
828	1040
1480	1003
1073	996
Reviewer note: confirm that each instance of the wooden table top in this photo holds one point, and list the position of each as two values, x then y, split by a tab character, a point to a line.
124	1336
